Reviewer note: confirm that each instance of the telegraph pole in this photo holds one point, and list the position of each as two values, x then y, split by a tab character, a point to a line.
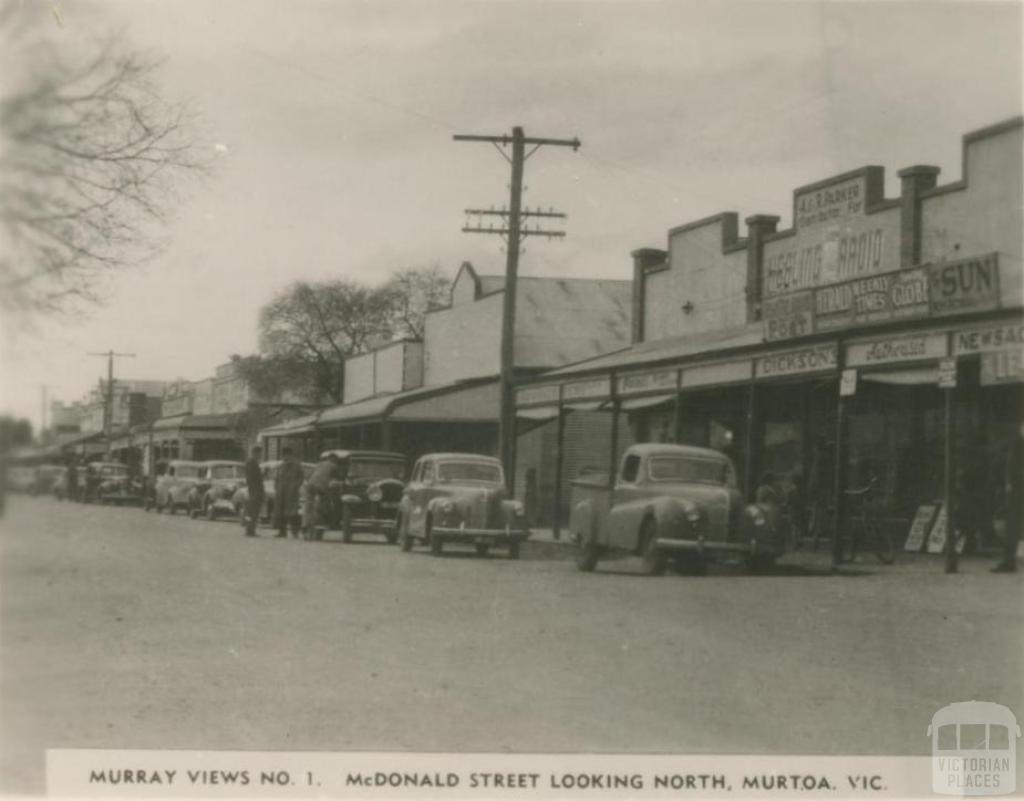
108	400
513	227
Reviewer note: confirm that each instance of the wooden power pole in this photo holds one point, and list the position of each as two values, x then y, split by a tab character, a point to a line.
513	227
108	397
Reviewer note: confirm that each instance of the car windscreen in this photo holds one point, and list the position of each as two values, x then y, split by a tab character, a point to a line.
469	471
187	471
113	470
375	469
227	471
689	469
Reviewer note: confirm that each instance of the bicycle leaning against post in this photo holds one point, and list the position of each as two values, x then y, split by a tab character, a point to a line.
864	528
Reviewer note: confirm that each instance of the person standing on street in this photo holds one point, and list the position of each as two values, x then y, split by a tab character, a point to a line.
71	477
254	484
1014	503
287	488
317	491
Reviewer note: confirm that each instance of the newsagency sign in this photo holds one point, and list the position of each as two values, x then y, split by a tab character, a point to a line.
966	285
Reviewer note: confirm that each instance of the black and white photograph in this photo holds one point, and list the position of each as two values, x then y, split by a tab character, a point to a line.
511	399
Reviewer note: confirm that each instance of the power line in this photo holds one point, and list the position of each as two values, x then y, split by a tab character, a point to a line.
108	401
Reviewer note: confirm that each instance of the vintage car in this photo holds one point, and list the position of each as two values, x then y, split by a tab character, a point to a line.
670	502
367	492
460	497
111	482
174	486
269	470
213	494
49	479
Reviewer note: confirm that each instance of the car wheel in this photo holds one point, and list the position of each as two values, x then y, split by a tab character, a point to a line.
513	549
691	564
762	563
436	545
586	554
653	558
209	510
346	524
482	549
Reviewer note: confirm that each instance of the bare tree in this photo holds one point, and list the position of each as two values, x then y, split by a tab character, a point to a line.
414	292
308	330
90	155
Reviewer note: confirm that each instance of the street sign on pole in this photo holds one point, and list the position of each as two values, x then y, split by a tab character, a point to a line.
947	374
848	382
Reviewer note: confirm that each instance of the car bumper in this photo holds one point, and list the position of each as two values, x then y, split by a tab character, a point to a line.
223	505
480	535
704	546
373	525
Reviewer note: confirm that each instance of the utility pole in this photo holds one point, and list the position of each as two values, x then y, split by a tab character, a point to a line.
108	400
513	227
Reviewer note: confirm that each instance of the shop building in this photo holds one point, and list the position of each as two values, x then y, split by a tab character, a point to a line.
442	393
876	337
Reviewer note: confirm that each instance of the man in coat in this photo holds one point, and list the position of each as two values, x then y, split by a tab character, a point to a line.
317	494
254	484
287	492
1014	503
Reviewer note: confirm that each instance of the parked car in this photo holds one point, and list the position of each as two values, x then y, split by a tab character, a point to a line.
367	493
670	502
112	482
460	497
218	482
48	478
269	470
173	487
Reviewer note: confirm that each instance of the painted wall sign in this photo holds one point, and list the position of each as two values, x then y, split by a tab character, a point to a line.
723	373
531	396
788	316
806	360
840	256
581	390
965	285
988	338
888	350
655	381
830	203
1002	367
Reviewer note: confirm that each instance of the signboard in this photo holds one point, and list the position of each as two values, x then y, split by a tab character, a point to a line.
1001	367
830	203
597	388
531	396
889	350
967	285
920	526
881	298
724	373
1008	336
794	362
654	381
947	374
788	316
848	383
939	532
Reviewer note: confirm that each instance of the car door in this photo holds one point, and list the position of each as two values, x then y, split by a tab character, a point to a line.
627	508
417	491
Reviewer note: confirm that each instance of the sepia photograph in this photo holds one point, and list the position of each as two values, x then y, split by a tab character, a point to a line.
511	399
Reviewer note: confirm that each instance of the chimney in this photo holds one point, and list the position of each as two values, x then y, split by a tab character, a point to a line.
642	260
913	182
758	227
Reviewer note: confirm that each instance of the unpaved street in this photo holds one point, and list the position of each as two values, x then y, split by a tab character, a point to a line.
125	629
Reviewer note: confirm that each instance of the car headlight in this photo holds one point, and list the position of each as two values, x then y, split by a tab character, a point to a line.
516	508
446	507
374	494
756	515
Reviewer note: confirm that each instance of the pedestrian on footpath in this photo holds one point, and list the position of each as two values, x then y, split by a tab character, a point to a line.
1014	503
287	488
253	483
317	494
71	476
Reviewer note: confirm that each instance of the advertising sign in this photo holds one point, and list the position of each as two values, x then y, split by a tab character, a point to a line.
919	527
1007	336
1001	367
788	316
966	285
531	396
848	383
947	374
581	390
654	381
887	350
876	299
795	362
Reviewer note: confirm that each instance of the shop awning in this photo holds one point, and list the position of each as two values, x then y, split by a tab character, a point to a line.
294	427
907	376
628	404
469	401
538	413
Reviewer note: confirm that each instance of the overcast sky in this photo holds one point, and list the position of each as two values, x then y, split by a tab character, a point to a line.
337	119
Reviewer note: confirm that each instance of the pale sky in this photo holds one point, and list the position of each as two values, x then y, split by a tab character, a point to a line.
337	119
